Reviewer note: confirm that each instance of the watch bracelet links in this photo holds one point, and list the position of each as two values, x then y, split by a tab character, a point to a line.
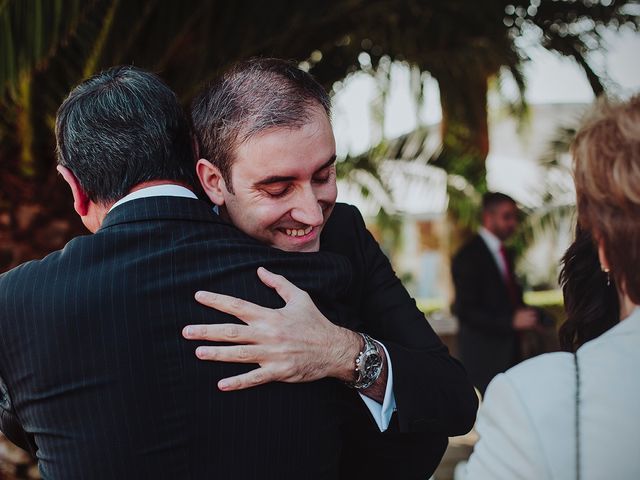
360	383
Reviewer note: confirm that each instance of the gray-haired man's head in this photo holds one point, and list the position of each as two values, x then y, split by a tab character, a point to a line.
123	127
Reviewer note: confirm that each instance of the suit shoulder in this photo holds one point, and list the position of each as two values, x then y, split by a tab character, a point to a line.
470	248
345	220
345	213
25	269
33	268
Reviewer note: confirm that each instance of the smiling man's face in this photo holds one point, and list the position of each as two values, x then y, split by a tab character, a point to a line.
284	185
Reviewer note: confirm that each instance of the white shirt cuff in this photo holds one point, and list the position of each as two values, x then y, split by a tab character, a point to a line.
382	413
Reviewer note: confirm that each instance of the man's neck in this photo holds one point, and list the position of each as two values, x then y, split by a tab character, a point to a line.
156	183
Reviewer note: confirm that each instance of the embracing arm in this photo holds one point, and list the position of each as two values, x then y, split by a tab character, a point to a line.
295	343
431	388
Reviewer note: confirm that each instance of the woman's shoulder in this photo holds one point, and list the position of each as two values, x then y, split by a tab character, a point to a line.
538	368
552	374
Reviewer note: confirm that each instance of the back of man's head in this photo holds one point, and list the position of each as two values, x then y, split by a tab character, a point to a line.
120	128
251	97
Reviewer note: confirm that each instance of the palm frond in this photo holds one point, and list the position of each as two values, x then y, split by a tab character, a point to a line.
32	32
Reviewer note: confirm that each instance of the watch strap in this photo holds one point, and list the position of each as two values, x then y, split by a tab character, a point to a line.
368	364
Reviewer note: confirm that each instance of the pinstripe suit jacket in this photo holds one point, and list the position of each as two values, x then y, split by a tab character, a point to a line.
97	372
433	394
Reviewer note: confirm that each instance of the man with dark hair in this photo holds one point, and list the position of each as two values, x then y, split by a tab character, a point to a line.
122	128
94	376
268	162
488	299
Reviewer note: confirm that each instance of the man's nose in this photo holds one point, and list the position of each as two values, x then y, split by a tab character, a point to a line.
307	209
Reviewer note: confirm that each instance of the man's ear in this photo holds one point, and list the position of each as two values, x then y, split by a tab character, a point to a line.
211	180
80	198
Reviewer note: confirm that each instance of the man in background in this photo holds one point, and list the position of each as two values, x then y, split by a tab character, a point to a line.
488	299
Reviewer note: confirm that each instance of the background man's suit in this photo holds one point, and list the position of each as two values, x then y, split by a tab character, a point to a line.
488	344
98	324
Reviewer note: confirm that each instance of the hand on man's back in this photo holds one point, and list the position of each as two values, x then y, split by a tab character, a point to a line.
295	343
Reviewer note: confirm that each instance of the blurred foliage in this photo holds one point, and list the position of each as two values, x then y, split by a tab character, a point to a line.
557	211
48	46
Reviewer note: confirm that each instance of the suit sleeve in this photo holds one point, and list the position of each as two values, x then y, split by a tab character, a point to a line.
10	425
432	391
509	447
468	305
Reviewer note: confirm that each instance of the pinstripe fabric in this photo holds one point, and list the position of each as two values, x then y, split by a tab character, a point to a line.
97	371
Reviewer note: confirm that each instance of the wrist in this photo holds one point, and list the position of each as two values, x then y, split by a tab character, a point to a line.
368	365
345	351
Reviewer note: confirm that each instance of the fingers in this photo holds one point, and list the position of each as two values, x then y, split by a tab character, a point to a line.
233	353
227	332
284	287
233	306
250	379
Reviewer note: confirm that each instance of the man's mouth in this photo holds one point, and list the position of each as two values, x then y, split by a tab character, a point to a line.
298	232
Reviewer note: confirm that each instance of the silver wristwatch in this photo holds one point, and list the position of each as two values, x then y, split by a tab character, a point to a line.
368	364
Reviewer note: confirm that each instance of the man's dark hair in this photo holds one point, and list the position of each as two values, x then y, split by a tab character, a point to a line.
252	96
490	200
120	128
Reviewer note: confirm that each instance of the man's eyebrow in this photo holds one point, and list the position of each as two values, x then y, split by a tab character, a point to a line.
327	164
280	179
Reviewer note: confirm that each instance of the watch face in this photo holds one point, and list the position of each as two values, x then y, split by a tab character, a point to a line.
371	364
368	364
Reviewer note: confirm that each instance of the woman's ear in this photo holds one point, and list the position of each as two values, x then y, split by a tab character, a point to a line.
602	256
80	198
211	180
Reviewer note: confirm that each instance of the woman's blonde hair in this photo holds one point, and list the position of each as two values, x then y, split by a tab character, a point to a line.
606	154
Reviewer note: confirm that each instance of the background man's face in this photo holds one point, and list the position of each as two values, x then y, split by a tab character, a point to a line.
284	184
502	220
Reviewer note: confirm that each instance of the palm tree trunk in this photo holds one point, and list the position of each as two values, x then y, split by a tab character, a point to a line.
465	131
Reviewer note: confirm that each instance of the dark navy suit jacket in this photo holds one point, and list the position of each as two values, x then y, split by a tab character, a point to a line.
487	341
96	372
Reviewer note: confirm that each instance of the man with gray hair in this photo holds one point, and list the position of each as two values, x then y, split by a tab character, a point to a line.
268	162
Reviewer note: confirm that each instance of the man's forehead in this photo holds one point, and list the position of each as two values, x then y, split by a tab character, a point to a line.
287	151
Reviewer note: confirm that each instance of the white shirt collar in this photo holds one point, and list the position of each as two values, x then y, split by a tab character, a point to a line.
169	190
490	239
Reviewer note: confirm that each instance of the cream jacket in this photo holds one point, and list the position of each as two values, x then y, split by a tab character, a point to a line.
527	421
